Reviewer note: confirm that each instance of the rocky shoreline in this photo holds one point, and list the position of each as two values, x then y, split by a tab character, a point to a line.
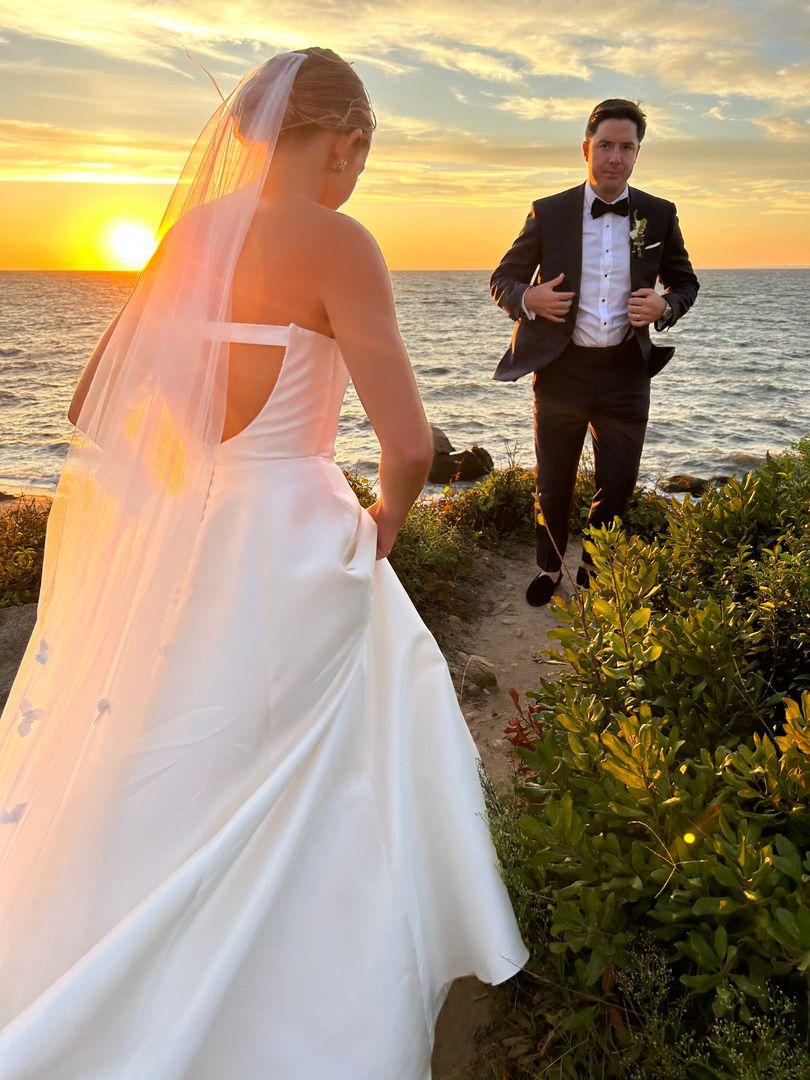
459	466
467	466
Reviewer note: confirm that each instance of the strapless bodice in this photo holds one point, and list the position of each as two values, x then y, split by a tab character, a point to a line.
300	417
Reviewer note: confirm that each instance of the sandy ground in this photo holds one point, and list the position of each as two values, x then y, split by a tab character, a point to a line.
508	633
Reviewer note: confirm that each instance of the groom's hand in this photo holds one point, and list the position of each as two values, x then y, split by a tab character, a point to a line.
544	301
645	306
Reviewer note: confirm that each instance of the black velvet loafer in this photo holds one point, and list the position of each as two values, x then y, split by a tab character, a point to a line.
541	589
584	577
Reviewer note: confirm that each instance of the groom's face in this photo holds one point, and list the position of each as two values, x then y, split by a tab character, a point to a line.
611	153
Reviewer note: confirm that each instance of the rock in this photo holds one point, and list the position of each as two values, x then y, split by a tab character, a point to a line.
16	624
518	631
718	481
4	495
695	485
464	465
441	444
479	670
455	622
484	455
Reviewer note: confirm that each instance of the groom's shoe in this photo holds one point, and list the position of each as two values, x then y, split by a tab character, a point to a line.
584	576
542	588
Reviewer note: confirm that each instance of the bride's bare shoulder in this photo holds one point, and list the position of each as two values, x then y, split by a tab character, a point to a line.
317	230
346	232
352	244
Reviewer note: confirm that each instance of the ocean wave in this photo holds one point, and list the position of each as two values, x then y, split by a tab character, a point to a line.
741	459
730	390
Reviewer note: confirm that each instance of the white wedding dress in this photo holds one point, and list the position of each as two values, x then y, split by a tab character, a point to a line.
299	861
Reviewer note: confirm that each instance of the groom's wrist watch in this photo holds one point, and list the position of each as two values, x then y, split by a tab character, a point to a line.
664	316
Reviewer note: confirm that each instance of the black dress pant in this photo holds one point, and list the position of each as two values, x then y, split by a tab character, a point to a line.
606	390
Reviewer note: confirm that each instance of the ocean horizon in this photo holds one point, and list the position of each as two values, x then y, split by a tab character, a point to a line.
735	389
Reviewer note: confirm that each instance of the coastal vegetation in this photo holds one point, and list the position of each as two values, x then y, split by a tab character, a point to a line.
656	839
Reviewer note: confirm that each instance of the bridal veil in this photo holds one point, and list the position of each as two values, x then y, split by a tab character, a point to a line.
123	521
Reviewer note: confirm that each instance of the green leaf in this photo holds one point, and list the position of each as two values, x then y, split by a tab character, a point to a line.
701	982
721	942
576	1021
788	920
624	775
638	619
715	905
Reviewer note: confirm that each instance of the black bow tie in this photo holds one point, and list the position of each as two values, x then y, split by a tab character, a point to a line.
598	207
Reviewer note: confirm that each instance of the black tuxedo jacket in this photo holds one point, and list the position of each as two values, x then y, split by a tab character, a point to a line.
551	243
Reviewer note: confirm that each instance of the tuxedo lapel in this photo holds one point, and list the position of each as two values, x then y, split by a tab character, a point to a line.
640	205
572	240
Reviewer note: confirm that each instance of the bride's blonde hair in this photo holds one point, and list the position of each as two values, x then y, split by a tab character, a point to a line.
327	94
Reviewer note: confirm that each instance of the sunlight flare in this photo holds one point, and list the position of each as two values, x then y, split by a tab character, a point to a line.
130	244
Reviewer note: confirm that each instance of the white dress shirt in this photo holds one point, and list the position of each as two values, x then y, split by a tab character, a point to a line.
604	290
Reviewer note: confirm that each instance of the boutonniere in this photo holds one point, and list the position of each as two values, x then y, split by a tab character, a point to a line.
637	233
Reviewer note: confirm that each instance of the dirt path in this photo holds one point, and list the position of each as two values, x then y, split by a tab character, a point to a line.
507	634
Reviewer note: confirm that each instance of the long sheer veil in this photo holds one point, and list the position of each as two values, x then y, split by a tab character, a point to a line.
122	527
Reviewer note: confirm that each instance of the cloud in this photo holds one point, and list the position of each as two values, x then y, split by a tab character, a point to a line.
521	70
535	108
716	49
37	151
715	69
578	109
487	66
784	128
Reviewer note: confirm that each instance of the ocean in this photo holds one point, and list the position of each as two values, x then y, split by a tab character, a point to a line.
735	389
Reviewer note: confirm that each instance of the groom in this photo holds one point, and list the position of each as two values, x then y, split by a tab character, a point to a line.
579	283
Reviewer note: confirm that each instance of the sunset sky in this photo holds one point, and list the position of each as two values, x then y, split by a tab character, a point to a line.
481	109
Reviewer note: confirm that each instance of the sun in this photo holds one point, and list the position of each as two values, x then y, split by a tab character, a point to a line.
131	244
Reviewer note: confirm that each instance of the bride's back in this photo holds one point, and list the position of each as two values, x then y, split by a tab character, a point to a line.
278	280
279	272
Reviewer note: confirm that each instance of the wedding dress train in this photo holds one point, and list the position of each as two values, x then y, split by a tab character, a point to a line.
299	861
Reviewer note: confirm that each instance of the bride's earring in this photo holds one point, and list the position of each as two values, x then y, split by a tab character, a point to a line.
341	165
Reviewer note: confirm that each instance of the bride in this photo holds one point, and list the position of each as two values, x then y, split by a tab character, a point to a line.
242	828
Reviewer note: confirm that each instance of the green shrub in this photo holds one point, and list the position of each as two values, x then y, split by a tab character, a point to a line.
431	560
22	543
497	512
663	796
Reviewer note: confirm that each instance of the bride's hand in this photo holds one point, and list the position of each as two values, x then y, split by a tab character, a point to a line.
386	529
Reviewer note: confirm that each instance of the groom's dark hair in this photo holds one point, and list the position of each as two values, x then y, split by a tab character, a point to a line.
617	109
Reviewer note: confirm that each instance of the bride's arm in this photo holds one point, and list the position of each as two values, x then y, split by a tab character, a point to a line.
359	302
86	378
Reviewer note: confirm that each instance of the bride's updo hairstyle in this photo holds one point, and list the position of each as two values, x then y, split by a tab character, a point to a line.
327	94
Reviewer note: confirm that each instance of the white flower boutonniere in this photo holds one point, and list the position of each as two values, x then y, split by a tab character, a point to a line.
637	233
